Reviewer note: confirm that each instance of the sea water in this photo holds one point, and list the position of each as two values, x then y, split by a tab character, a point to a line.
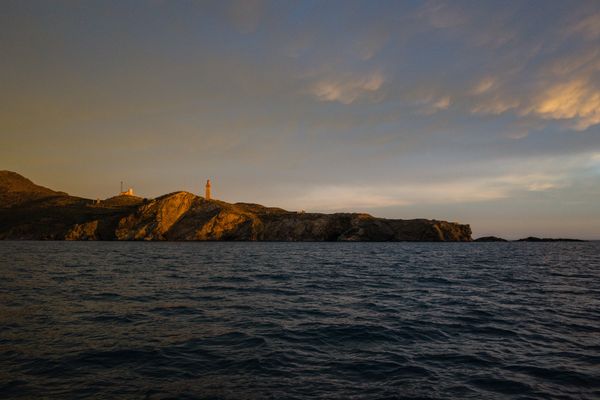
229	320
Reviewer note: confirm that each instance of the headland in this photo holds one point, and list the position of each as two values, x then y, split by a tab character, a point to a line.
32	212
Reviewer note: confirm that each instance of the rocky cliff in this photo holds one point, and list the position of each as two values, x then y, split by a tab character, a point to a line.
185	216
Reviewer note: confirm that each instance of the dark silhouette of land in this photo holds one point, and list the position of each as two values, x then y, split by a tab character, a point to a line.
527	239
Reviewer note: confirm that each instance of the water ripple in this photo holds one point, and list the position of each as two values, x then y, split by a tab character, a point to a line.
300	320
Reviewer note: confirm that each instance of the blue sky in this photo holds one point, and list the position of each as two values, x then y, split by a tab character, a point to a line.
483	112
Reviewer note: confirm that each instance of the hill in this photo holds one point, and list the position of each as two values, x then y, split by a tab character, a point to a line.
39	213
17	190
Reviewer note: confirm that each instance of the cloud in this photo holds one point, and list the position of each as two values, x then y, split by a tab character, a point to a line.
473	25
584	61
534	182
483	85
443	15
433	104
563	88
477	189
349	197
348	89
594	163
550	75
442	103
588	26
494	105
577	100
428	99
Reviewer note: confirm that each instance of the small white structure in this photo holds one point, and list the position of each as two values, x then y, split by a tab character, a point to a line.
129	191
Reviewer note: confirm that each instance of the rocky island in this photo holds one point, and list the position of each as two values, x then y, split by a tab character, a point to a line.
527	239
32	212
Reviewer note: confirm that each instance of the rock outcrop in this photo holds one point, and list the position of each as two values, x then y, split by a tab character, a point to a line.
152	221
490	239
85	231
185	216
537	239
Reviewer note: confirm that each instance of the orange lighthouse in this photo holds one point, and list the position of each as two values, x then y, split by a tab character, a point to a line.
207	190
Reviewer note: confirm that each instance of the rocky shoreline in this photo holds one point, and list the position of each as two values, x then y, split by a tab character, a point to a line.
527	239
32	212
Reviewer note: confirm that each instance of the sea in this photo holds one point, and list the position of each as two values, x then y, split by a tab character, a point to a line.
273	320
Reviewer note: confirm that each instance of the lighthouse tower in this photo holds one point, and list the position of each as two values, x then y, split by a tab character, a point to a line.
207	190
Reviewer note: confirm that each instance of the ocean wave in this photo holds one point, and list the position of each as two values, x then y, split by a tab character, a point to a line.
299	320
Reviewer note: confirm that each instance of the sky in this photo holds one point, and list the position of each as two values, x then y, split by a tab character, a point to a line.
480	112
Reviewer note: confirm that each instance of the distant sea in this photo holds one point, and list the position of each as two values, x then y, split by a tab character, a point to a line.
299	320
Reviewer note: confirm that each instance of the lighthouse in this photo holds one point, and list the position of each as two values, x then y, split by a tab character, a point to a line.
207	190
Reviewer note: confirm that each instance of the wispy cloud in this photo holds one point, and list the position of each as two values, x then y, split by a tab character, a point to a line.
577	100
352	197
347	89
494	105
567	89
428	99
442	15
586	26
440	103
484	85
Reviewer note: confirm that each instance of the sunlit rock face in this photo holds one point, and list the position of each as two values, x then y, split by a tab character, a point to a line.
85	231
152	221
185	216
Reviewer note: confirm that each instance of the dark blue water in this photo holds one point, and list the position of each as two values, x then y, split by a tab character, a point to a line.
299	320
